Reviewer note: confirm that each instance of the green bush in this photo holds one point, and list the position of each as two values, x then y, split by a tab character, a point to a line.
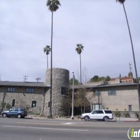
137	114
117	113
126	114
8	106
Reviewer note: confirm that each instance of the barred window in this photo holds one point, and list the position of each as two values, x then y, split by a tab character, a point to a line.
11	89
34	103
29	90
112	92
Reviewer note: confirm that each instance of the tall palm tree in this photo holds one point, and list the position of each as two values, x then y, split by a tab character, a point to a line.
79	50
133	53
53	6
47	50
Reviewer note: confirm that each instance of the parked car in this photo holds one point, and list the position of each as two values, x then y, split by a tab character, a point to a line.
100	114
15	112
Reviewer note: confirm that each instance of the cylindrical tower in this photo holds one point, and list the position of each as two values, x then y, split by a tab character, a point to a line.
60	81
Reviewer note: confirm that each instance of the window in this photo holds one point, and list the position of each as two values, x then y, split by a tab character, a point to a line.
108	111
130	107
13	102
96	106
112	92
64	91
29	90
11	89
34	103
98	112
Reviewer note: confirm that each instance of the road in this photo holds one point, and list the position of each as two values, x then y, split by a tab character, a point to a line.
51	129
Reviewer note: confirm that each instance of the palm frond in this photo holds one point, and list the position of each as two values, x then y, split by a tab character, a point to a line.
121	1
79	48
53	5
47	49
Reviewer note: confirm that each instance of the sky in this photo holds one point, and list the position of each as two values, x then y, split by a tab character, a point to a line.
99	25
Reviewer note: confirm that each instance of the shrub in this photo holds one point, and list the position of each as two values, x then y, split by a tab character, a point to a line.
8	106
117	113
126	114
137	114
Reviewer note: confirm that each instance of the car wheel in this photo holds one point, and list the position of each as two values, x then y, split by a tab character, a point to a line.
106	119
4	115
86	118
19	116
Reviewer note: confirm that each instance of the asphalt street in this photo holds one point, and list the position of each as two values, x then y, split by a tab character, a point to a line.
51	129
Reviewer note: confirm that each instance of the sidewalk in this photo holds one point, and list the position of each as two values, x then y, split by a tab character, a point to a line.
128	119
68	119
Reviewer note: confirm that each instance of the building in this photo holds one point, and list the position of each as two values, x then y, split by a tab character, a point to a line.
116	96
35	96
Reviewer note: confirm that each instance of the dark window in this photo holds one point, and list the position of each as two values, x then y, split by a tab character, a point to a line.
13	102
16	109
112	92
34	103
98	112
64	91
29	90
11	89
130	107
108	112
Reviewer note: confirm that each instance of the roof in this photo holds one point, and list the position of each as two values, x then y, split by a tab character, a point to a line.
23	84
121	78
105	85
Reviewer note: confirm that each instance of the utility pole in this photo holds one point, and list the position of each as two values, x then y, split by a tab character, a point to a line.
130	67
25	78
37	79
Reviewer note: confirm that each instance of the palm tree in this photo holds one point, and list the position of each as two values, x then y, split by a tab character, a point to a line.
53	6
47	50
133	53
79	50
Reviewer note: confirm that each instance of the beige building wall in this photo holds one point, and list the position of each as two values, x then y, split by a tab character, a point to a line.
124	97
121	100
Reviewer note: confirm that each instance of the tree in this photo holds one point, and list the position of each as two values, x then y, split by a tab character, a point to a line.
107	78
133	53
47	50
53	6
102	78
95	78
79	50
81	100
76	82
130	74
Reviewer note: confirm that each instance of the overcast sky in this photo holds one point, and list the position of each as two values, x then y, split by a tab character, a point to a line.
99	25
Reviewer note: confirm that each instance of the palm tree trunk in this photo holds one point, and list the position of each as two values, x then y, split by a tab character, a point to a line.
80	70
133	53
51	65
47	62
